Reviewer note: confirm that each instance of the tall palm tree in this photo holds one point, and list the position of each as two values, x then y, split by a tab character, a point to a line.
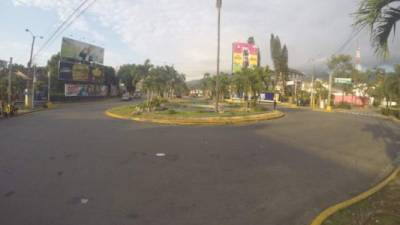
381	16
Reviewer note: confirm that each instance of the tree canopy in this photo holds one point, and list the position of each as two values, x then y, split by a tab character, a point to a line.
280	59
381	17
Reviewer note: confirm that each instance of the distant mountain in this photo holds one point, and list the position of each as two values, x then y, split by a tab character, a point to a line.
194	84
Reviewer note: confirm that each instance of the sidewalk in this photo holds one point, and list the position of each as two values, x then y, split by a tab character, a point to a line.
365	112
22	112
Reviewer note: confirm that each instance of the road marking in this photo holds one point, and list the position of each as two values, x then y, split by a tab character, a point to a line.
160	154
84	201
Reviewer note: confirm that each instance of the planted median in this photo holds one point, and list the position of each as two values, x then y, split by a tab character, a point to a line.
193	112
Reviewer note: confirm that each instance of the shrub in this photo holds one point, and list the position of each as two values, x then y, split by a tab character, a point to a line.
259	108
343	105
171	112
391	112
155	104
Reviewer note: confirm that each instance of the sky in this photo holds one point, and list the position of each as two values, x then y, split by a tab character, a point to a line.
183	33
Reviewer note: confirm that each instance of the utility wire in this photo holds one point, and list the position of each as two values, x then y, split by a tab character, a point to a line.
65	24
353	35
62	25
77	16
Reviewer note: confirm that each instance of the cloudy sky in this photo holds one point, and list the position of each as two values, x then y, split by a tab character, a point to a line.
183	32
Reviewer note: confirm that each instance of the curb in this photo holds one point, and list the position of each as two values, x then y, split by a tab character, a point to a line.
289	105
37	110
391	118
333	209
322	110
204	121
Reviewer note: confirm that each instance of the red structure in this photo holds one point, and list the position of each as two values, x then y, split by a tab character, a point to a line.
351	99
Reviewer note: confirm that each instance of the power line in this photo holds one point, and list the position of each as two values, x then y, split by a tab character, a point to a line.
62	25
65	24
77	16
353	35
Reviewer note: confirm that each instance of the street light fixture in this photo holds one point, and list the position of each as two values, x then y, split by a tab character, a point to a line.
32	46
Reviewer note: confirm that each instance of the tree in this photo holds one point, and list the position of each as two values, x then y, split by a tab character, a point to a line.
391	86
251	82
251	41
280	59
321	92
18	84
224	84
163	81
209	82
341	66
132	74
57	86
381	16
110	78
208	86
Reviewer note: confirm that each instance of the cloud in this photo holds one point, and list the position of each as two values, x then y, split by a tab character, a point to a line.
183	32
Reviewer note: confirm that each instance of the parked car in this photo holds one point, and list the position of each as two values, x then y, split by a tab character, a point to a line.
137	95
126	97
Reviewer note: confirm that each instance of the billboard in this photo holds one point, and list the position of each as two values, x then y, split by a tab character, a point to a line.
79	72
244	56
85	90
83	52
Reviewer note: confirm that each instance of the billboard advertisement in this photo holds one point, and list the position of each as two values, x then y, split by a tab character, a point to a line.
244	56
83	52
81	72
85	90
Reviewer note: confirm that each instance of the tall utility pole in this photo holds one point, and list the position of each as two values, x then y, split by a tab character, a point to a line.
219	6
48	87
329	108
30	62
312	86
9	80
295	90
33	86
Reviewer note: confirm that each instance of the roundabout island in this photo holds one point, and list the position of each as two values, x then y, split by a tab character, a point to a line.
193	111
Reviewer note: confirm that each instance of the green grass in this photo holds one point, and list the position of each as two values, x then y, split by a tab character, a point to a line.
191	108
381	208
124	110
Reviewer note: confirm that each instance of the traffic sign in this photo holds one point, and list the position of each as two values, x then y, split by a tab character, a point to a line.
343	81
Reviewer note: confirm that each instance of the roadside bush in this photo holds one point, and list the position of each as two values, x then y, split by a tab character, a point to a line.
157	104
391	112
171	112
259	108
343	105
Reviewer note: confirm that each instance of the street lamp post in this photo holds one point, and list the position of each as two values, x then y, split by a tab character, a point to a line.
30	65
219	5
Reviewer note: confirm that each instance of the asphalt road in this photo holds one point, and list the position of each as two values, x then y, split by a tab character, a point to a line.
75	166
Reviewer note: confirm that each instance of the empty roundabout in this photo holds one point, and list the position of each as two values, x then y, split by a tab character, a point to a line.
75	165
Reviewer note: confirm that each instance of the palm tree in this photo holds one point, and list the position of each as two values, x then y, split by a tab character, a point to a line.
381	16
